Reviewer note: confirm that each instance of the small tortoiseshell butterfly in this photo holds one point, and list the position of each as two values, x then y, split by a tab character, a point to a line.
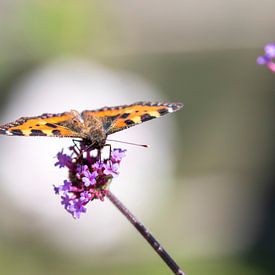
92	127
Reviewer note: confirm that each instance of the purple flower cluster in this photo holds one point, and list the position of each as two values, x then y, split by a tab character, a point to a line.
89	177
268	58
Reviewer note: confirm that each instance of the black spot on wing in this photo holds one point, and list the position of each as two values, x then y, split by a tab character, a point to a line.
163	111
107	125
143	103
3	132
109	121
174	105
17	132
112	118
129	122
37	133
146	117
51	125
125	115
56	132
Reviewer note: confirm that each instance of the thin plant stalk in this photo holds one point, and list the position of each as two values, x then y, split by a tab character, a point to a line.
145	233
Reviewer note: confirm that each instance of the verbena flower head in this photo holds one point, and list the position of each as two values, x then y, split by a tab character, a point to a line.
268	58
89	177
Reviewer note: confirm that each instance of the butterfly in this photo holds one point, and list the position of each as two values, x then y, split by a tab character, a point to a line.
93	126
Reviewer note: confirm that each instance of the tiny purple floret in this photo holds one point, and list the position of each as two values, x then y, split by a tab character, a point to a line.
63	160
66	201
118	155
77	208
89	178
111	169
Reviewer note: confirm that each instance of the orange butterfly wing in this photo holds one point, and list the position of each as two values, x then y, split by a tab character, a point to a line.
51	125
117	118
70	124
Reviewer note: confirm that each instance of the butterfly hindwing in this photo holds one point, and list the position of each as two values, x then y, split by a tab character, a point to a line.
121	117
52	125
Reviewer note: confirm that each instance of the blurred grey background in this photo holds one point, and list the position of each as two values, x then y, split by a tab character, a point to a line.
206	190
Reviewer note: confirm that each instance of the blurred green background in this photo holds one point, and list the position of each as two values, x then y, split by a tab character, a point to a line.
220	218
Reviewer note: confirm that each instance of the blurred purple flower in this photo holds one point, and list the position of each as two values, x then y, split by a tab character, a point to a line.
268	58
89	177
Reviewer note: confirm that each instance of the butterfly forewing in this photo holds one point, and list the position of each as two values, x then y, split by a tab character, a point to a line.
44	125
121	117
92	126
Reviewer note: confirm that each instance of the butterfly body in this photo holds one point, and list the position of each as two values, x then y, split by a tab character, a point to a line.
93	126
94	132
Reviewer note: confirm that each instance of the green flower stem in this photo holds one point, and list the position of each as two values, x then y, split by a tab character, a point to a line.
145	233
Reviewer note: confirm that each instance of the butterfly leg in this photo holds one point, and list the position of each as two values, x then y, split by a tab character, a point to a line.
81	147
110	150
76	142
99	154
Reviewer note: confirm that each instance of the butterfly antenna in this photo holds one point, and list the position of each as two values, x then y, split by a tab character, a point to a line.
130	143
